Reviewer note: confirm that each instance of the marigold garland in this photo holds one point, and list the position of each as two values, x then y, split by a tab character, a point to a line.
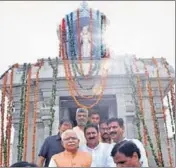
68	72
154	119
138	113
2	150
9	115
36	92
163	110
139	85
27	113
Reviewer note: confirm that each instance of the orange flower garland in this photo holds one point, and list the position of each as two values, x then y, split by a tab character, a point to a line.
27	113
156	130
69	75
2	118
9	115
36	92
141	103
163	110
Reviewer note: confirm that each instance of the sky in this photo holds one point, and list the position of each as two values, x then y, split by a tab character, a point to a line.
143	28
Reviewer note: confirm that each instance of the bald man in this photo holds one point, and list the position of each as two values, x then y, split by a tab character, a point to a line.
71	157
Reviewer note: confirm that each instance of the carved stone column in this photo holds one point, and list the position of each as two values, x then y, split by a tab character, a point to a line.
46	120
56	116
121	109
15	123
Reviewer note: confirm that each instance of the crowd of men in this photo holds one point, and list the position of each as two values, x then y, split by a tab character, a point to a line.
94	144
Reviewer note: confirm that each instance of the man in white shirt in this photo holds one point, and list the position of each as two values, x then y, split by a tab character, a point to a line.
101	152
116	131
81	119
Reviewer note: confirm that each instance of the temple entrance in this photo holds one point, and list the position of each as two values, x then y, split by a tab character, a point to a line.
107	107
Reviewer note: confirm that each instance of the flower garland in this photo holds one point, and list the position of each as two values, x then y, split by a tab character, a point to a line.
131	79
53	96
36	92
66	63
163	111
153	112
22	114
68	72
2	146
139	114
27	112
9	119
73	55
139	85
170	85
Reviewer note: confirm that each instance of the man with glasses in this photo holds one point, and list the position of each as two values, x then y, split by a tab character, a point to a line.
71	157
52	144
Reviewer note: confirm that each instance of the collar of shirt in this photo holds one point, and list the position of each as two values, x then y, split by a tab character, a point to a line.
96	148
58	137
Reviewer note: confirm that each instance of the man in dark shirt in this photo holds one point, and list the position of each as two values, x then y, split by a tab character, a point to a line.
52	144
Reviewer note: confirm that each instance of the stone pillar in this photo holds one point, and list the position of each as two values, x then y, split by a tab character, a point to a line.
40	136
121	109
15	123
46	120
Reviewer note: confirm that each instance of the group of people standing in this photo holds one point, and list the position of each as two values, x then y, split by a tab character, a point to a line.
93	143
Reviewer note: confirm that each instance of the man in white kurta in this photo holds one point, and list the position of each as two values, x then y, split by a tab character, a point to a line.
101	152
116	130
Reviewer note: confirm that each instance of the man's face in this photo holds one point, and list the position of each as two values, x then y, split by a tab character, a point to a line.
81	118
104	130
92	135
115	131
123	161
70	141
65	126
95	119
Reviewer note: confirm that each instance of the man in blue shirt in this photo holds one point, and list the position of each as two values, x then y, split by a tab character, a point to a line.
52	144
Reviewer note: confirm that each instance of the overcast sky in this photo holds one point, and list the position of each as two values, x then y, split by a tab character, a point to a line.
28	29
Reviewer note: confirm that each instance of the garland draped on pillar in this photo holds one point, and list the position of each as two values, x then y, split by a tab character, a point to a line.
53	94
9	118
139	113
154	119
140	95
36	92
163	111
26	121
22	113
